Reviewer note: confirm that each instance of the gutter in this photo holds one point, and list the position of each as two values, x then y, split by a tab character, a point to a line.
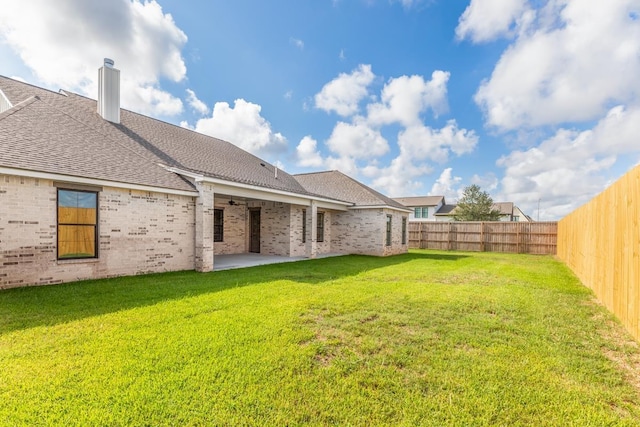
93	181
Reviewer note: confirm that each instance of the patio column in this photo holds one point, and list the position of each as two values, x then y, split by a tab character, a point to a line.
204	228
311	248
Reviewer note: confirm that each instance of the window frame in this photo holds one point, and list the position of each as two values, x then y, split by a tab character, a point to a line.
320	227
388	231
304	226
218	229
96	244
404	230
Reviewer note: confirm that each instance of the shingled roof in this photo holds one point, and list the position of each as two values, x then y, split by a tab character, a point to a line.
419	200
505	208
336	185
62	133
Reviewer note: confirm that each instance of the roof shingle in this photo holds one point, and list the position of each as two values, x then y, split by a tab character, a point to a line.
80	143
336	185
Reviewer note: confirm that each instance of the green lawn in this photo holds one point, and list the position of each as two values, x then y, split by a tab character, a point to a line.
427	338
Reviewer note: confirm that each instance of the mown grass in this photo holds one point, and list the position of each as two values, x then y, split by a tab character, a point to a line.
427	338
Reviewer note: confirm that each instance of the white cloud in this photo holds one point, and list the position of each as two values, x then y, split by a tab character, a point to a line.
357	140
405	98
448	186
346	165
357	146
401	178
307	154
148	99
343	94
576	59
487	182
297	43
422	142
64	44
567	169
405	174
485	20
243	126
288	94
196	104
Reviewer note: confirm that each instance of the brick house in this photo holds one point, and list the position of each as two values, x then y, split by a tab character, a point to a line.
90	190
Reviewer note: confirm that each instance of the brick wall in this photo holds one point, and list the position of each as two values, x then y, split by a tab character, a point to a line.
396	233
298	248
235	229
142	232
326	247
363	231
139	232
275	226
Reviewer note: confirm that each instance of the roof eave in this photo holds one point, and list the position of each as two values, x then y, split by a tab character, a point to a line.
407	210
256	188
93	181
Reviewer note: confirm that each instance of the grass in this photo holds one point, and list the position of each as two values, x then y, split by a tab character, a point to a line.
426	338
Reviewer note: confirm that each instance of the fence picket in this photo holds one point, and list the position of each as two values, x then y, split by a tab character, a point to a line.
515	237
600	242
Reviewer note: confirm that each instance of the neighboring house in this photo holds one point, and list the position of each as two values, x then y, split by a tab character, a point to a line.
508	212
89	190
423	208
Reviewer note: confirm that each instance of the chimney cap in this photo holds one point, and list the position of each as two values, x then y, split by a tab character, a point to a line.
108	62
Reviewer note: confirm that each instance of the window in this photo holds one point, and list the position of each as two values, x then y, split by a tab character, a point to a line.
388	230
218	225
77	224
404	230
304	225
421	212
320	234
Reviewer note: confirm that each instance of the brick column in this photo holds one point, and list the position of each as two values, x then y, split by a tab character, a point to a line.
311	248
204	228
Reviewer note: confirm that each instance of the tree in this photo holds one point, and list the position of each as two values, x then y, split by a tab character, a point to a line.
475	205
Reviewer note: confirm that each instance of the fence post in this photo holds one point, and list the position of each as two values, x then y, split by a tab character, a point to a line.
500	235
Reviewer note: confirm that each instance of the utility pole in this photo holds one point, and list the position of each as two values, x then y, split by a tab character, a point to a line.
538	210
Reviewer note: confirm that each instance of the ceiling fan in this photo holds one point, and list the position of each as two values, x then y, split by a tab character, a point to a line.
232	203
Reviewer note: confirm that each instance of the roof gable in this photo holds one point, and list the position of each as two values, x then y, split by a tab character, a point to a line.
336	185
152	142
420	201
56	143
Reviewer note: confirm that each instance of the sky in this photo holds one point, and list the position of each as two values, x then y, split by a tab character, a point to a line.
536	101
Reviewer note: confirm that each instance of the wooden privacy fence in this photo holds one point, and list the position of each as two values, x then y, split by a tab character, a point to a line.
600	242
514	237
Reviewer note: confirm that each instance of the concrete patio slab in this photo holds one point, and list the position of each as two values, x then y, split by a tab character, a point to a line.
228	262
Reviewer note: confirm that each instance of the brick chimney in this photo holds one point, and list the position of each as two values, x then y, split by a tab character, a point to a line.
109	92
